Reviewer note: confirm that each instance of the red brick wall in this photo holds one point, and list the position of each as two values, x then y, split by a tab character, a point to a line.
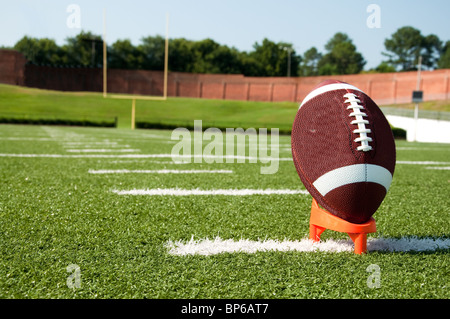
384	88
12	67
63	79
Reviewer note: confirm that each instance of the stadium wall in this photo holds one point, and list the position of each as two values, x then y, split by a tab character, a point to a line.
12	67
384	88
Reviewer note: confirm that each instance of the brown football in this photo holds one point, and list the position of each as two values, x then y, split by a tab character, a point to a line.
344	150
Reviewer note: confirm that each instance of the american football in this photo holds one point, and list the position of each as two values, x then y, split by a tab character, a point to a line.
343	149
161	151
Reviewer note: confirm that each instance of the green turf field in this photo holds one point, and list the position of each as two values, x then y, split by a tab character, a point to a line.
21	102
56	213
17	102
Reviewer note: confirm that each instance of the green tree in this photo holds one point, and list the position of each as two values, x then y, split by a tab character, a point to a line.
273	58
123	55
152	50
204	56
40	51
85	49
226	60
342	57
406	45
181	56
385	67
444	60
250	66
211	57
309	64
432	48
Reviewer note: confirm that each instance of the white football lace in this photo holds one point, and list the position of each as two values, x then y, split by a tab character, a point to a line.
361	130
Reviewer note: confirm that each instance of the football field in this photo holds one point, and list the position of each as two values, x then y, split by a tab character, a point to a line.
108	213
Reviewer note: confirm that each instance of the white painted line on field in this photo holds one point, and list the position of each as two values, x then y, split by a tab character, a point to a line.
146	161
162	136
146	156
27	138
91	143
226	192
423	163
159	171
224	157
215	246
406	148
102	150
88	155
438	167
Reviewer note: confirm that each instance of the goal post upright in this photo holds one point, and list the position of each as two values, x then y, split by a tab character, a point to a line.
105	78
135	97
166	57
131	96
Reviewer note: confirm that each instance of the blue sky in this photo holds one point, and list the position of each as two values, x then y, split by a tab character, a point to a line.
235	23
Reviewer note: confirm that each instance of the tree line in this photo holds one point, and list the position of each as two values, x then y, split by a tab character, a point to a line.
267	58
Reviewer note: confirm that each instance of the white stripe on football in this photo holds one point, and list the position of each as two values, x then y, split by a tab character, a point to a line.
353	174
328	88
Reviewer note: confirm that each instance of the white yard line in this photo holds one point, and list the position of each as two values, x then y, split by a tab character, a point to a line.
102	150
91	143
159	171
217	246
423	163
224	157
407	148
89	146
145	156
146	161
439	167
226	192
27	138
88	155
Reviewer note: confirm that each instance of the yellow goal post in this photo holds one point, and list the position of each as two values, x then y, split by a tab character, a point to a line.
131	97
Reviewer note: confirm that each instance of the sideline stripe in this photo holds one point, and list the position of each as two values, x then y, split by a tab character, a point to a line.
226	192
446	168
159	171
216	246
353	174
